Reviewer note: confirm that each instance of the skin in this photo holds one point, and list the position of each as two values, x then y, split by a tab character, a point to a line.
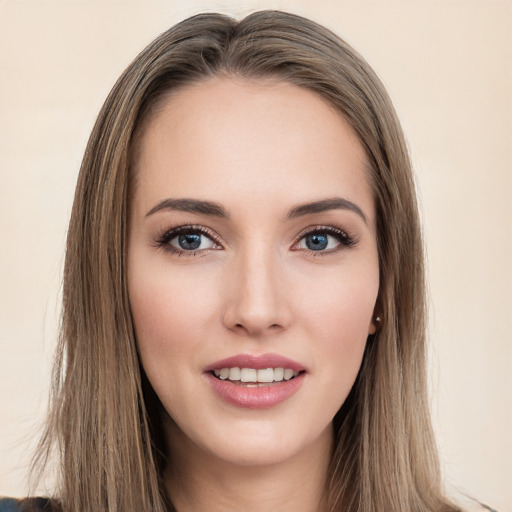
258	150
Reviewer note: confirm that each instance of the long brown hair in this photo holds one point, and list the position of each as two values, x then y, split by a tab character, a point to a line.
101	419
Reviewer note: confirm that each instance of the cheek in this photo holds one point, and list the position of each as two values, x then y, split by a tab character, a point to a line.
339	306
337	314
170	309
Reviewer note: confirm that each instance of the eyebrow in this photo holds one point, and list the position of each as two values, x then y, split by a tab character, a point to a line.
190	205
334	203
215	209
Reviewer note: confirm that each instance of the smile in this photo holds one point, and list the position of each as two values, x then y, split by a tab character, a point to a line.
261	375
255	381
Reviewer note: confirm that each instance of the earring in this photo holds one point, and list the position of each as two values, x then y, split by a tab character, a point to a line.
378	319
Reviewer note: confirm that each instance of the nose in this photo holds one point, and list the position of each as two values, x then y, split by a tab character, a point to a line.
256	299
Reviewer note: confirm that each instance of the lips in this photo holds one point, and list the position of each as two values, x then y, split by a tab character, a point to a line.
255	381
257	362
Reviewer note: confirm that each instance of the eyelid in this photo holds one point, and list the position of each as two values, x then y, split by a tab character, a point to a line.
162	241
346	240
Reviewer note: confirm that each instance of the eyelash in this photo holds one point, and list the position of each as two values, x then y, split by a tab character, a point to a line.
345	240
163	242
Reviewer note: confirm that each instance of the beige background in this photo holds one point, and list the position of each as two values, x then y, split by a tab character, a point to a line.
448	67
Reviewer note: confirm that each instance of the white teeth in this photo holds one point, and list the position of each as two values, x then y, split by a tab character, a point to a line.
266	375
234	374
253	375
248	375
278	374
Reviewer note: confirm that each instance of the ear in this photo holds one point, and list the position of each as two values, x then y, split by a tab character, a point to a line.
375	323
376	317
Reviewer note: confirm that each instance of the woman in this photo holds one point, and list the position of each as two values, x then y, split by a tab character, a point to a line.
244	313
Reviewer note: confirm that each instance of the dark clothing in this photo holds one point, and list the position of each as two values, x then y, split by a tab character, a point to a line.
47	505
28	505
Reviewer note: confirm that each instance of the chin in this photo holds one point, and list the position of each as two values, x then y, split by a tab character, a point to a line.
256	444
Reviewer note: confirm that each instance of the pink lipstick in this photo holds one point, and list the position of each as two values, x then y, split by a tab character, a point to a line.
255	381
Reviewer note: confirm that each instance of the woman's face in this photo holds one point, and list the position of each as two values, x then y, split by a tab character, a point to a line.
252	259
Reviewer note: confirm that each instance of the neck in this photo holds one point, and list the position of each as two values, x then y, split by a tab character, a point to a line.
199	482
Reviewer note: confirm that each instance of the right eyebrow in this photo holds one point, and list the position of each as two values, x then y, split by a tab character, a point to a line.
190	205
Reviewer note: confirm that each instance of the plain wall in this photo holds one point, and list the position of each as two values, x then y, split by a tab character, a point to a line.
448	67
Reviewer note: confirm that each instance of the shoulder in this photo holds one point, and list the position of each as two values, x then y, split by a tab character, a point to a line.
485	508
475	506
466	502
27	505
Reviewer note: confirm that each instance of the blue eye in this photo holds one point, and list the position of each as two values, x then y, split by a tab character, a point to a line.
317	242
187	240
325	239
191	241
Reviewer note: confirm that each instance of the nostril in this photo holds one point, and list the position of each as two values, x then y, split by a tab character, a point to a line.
270	327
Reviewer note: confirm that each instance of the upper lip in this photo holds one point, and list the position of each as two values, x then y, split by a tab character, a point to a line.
256	361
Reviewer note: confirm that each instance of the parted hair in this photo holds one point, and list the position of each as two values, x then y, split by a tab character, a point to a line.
103	420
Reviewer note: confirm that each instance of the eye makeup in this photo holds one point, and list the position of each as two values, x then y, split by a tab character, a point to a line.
322	240
192	240
185	240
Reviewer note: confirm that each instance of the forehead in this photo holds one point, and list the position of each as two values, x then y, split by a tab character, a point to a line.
227	137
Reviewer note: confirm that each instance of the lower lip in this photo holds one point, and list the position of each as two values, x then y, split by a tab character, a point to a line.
257	397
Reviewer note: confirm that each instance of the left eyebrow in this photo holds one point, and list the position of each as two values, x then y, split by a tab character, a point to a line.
334	203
